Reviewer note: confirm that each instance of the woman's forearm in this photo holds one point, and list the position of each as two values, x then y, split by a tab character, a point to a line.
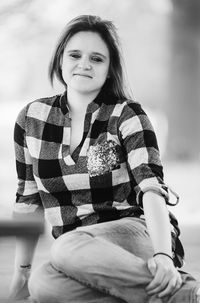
157	220
25	248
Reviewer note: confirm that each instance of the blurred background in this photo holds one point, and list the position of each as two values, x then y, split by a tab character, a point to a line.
161	47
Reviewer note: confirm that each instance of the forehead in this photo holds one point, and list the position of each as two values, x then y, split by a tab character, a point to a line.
88	41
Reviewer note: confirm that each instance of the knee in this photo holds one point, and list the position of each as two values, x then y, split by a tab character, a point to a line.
69	249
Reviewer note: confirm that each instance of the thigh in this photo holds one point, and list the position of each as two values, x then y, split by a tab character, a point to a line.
129	233
47	284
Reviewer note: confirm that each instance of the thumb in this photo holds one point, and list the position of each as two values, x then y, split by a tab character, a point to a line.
151	264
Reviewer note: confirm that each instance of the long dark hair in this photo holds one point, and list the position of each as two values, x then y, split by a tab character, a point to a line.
106	29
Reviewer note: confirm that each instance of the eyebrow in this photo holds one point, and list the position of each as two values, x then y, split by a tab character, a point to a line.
94	53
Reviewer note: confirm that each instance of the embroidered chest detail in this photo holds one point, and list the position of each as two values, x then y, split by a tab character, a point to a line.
102	158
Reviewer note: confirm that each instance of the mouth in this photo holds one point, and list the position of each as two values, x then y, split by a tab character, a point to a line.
83	75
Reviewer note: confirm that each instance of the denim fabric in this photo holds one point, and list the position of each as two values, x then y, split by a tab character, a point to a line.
102	263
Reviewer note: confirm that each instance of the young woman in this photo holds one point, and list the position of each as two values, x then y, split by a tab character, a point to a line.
88	159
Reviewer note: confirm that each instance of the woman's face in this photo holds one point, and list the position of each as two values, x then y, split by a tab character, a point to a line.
86	62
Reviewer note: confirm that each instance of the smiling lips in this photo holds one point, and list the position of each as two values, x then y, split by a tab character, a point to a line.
83	75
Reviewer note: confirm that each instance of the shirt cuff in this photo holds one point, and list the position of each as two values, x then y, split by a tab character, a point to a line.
159	190
153	188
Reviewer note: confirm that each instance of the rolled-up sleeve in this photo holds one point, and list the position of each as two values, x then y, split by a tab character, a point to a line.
27	196
140	144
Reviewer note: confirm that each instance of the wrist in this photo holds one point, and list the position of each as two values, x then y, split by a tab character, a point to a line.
27	266
166	255
23	268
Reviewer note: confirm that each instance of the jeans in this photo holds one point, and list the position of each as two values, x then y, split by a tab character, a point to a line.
102	263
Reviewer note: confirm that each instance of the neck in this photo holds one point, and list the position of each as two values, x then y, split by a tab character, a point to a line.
78	102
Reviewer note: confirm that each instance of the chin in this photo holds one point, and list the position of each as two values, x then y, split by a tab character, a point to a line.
86	90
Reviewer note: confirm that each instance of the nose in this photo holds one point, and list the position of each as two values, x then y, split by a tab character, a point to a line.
84	63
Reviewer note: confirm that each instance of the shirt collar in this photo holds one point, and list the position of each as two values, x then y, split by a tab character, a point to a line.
102	97
63	103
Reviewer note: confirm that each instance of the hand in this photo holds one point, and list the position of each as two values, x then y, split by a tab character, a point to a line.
166	278
19	285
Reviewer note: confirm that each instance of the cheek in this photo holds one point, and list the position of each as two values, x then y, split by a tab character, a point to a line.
107	70
65	76
67	66
104	73
67	70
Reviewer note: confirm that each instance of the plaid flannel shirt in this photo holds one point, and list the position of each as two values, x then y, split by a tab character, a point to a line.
104	179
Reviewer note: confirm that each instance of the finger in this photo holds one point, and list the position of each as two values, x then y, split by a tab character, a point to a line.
158	278
152	266
171	287
176	287
162	285
157	272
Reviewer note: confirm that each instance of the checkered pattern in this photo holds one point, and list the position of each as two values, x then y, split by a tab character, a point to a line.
59	183
104	179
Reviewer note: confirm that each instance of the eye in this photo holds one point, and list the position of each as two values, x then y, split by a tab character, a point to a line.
75	55
96	59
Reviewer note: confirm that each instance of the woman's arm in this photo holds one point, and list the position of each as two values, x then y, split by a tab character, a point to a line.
25	248
166	277
138	138
28	205
157	220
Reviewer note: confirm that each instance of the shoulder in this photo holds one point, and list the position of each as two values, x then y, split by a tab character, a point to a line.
38	108
132	113
129	107
43	103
